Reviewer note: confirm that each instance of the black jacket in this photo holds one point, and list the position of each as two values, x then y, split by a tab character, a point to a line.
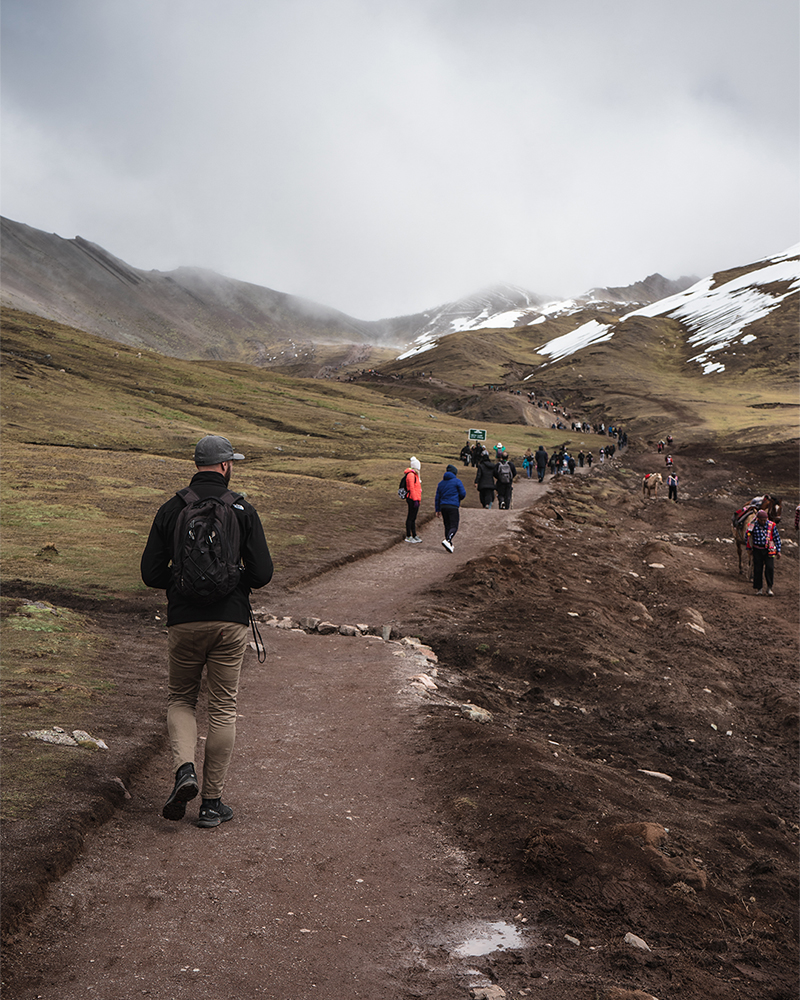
157	557
484	477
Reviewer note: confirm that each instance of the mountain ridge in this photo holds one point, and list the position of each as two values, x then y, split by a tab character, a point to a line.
193	312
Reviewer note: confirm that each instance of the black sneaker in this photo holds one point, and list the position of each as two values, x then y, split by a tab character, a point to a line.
186	788
213	812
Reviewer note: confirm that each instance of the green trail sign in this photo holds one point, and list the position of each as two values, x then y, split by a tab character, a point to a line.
476	435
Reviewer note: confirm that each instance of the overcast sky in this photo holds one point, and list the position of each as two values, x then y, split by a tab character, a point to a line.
386	156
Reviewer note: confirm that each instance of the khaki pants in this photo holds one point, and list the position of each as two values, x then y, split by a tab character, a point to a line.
219	648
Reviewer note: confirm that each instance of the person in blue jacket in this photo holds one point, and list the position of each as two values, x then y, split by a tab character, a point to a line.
449	494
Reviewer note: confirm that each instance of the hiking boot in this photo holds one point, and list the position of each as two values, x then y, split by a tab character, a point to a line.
186	788
770	594
759	593
417	538
447	545
410	538
213	812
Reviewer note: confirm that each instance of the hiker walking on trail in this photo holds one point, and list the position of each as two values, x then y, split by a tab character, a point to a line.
484	481
413	487
764	542
504	472
542	458
449	494
528	463
207	549
672	486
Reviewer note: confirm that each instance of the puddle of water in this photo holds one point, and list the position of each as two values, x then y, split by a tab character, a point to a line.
484	938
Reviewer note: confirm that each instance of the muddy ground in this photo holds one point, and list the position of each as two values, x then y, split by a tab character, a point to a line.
633	771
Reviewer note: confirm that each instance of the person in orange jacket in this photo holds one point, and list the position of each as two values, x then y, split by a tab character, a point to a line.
413	498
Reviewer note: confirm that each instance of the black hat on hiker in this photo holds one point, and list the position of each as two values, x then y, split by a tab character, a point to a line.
213	450
453	469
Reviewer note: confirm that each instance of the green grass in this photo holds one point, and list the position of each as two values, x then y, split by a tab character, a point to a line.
50	676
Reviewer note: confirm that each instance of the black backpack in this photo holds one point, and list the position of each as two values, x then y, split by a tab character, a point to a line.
206	564
504	473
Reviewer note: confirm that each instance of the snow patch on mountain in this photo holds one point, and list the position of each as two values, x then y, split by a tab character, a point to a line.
716	317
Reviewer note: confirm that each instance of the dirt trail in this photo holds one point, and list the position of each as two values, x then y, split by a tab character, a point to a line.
382	590
337	878
378	828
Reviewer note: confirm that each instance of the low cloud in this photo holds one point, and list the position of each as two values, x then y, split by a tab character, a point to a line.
385	158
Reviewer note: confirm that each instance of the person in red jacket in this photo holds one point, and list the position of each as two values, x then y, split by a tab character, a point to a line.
764	542
413	498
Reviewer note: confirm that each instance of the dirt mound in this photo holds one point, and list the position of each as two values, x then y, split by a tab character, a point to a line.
505	408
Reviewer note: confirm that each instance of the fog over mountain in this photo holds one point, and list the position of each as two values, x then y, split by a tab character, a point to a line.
196	313
386	157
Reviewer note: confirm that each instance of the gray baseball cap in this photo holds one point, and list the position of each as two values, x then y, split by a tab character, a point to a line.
212	449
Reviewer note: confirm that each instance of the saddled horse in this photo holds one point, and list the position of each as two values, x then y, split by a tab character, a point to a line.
650	483
772	505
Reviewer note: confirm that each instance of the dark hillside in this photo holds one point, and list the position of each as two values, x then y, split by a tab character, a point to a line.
187	313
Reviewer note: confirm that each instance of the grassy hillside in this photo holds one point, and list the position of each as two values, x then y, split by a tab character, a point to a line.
642	378
96	436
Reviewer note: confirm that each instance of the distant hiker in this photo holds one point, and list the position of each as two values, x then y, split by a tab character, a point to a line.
449	494
668	461
581	458
672	485
541	462
571	465
765	543
207	617
660	447
553	463
589	459
475	453
413	487
484	481
466	454
528	463
602	454
504	472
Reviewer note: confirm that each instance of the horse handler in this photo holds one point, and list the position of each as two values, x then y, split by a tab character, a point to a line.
764	542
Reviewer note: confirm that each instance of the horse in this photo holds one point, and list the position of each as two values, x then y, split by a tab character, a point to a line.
772	505
650	484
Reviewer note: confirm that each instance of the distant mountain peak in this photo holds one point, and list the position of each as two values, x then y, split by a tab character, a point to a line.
651	289
716	311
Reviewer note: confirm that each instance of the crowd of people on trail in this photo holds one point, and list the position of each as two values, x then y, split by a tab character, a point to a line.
495	473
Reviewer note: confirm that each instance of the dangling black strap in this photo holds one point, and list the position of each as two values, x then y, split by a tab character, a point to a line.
261	652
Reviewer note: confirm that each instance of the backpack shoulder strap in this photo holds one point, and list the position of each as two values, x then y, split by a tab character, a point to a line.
188	495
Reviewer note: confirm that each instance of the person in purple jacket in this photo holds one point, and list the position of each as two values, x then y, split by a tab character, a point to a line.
449	494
